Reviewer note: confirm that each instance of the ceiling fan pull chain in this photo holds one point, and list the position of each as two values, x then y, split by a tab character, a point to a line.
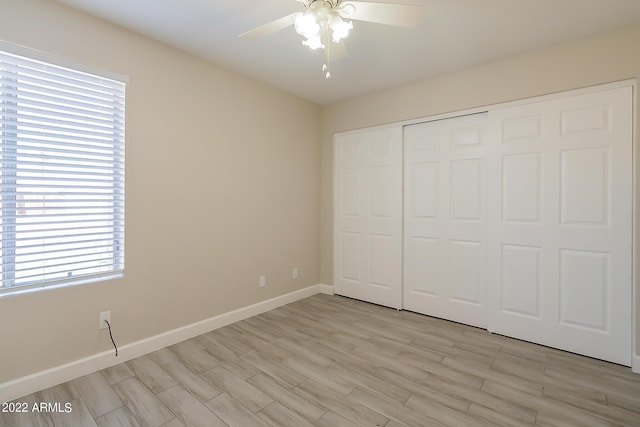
325	70
327	53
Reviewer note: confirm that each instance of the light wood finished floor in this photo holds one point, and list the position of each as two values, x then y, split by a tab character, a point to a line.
332	361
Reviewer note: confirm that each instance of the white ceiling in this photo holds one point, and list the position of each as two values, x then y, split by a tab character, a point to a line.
455	34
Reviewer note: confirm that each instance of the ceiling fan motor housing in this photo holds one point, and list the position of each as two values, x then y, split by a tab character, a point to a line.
330	3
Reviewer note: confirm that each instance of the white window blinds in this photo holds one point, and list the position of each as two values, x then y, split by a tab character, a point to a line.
61	175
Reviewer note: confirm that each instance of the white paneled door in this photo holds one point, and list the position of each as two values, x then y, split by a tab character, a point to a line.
560	209
445	222
518	220
368	216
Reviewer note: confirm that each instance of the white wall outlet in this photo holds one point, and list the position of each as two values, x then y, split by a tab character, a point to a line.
294	273
262	282
105	315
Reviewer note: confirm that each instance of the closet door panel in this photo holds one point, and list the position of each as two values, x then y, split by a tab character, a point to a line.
445	220
368	216
560	214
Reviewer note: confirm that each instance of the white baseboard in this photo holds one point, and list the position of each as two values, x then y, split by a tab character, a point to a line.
326	289
635	363
41	380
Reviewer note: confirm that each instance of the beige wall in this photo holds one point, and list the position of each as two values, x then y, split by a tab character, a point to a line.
611	57
222	185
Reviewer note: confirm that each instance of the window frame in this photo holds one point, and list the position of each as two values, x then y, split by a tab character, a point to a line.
11	208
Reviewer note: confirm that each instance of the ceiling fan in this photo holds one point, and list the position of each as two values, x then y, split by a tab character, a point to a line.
326	23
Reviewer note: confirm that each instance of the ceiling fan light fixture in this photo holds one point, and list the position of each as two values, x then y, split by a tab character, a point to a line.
316	22
340	28
306	25
345	9
314	42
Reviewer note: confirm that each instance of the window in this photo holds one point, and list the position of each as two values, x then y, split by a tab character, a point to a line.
61	175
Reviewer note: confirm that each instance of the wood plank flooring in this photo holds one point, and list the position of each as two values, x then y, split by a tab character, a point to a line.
331	361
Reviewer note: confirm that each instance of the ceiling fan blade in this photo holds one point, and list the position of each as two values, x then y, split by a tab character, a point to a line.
268	28
399	15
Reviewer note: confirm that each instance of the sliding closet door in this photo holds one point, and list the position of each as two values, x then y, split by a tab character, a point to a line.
560	259
368	216
445	222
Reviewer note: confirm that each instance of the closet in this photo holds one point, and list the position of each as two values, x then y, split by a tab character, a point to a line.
517	220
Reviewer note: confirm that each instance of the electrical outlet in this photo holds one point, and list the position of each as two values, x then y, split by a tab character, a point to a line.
262	282
294	273
105	317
